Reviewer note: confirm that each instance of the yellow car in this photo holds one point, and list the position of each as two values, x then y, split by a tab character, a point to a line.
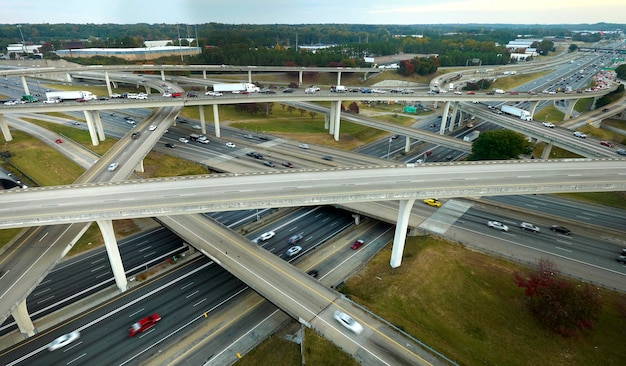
432	202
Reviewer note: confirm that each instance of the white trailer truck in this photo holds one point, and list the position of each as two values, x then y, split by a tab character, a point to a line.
471	136
518	112
70	95
236	88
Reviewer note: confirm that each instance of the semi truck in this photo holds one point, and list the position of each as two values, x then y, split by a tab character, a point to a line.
29	98
518	112
471	136
70	95
236	88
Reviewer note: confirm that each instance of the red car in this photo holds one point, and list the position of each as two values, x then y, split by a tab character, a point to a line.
58	141
143	324
357	244
175	95
81	100
513	93
471	93
607	143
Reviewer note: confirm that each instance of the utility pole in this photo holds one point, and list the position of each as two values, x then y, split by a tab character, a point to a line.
180	47
19	26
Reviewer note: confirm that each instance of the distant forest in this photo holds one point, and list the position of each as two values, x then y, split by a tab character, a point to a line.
249	44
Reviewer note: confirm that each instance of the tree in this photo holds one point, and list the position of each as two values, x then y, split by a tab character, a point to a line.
312	114
354	108
564	307
573	47
499	145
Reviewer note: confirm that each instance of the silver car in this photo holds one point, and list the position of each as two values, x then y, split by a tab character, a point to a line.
347	321
64	340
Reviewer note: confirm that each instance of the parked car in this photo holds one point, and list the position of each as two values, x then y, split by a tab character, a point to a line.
293	250
560	230
267	236
347	321
357	244
63	340
432	202
528	226
497	225
143	324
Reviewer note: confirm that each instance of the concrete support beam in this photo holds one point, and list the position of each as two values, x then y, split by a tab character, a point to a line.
593	105
163	75
91	126
204	75
106	228
148	89
357	219
23	321
4	127
202	119
404	211
216	120
546	151
95	115
108	83
331	127
339	78
25	85
453	118
407	144
533	107
570	109
250	76
300	77
139	167
326	121
444	118
337	123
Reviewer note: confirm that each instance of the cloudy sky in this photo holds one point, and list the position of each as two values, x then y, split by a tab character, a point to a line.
312	11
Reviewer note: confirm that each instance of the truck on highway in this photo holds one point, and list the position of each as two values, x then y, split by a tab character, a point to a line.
499	91
199	138
70	95
29	98
471	136
236	88
338	89
518	112
451	87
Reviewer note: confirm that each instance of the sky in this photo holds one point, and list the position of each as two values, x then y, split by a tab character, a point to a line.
313	11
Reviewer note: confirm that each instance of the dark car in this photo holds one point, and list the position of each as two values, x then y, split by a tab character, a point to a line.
268	163
621	259
287	164
560	230
605	109
313	273
171	146
294	239
288	90
327	157
255	155
135	135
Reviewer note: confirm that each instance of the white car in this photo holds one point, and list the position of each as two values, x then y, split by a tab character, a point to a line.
267	236
113	166
347	321
167	95
497	225
183	140
231	145
152	127
528	226
580	134
548	124
64	340
294	250
196	127
51	101
303	146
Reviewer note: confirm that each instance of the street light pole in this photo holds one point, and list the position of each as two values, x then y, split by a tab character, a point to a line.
19	26
388	148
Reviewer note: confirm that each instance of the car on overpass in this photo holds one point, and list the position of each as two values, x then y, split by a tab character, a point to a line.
347	321
143	324
548	124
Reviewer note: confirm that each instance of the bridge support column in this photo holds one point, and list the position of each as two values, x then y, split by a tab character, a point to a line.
216	120
404	211
106	228
250	76
339	78
300	77
331	126
22	318
444	118
532	107
326	121
108	82
204	75
92	128
4	127
453	117
546	151
570	109
98	123
337	119
357	219
139	167
407	144
163	75
593	104
148	89
25	85
202	119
